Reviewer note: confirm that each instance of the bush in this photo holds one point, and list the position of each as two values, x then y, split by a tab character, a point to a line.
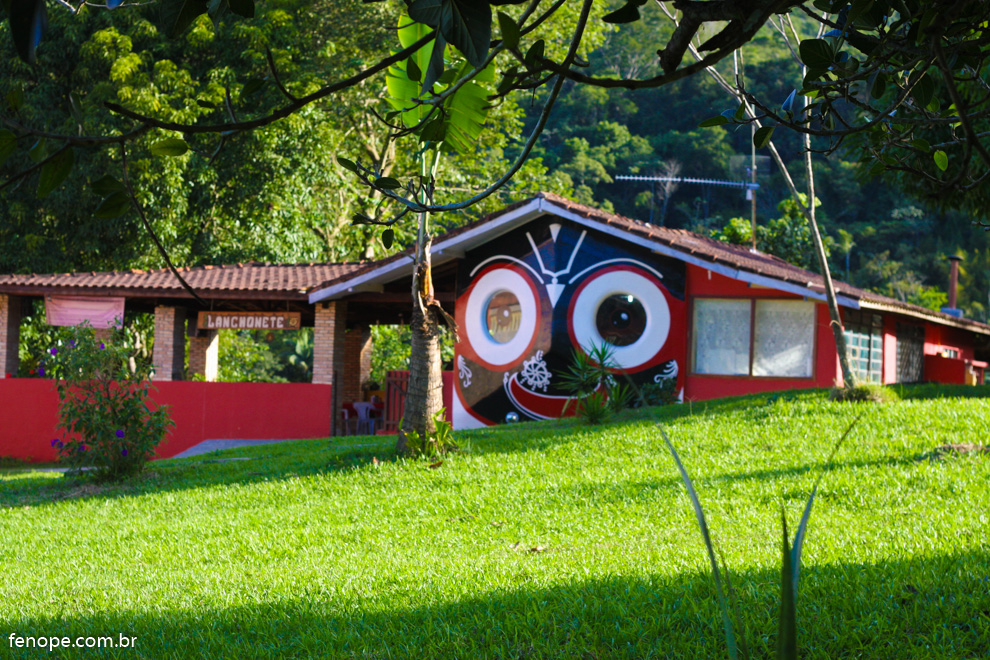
104	412
596	395
864	392
435	444
663	393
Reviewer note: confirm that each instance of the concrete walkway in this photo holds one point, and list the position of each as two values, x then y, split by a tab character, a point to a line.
208	446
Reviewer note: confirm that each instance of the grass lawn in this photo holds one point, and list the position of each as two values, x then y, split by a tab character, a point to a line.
539	540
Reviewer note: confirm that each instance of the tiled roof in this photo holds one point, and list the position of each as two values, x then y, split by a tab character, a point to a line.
744	259
254	280
700	248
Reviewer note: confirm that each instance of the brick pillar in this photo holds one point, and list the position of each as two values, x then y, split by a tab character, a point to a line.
169	356
367	345
10	334
204	355
357	351
328	351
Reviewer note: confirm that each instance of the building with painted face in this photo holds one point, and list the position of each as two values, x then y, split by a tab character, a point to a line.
547	277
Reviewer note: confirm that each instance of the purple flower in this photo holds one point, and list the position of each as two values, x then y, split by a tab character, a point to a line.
82	447
102	346
60	445
54	351
72	343
120	434
41	371
124	452
54	442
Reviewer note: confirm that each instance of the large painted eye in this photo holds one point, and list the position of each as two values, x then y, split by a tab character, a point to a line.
500	318
625	307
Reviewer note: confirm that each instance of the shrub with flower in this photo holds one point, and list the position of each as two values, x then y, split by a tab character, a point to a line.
108	420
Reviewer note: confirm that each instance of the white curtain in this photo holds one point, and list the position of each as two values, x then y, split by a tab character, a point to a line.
721	336
784	337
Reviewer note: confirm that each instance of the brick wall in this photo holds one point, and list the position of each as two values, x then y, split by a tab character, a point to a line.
357	363
204	355
328	350
169	355
10	334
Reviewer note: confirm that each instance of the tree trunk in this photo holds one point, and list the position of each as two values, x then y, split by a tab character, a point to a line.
424	393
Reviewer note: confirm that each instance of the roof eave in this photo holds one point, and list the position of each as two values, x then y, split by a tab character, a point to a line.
443	250
935	317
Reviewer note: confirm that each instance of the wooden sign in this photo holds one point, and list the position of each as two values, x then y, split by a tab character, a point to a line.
249	321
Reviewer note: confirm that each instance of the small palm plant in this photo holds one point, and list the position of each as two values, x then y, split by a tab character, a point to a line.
595	392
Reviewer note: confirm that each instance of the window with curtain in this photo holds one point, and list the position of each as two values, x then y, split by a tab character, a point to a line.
781	334
721	336
784	338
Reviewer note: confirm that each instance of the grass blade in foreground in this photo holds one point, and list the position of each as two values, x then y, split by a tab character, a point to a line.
730	638
791	566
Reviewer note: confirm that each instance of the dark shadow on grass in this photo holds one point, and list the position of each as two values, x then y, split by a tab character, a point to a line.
918	608
284	460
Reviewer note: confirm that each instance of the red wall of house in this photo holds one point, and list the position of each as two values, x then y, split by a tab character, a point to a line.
201	411
702	282
938	338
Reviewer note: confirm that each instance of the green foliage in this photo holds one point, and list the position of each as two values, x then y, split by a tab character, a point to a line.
438	442
109	422
595	393
787	237
664	393
864	392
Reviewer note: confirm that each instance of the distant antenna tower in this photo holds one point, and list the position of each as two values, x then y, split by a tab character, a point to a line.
749	186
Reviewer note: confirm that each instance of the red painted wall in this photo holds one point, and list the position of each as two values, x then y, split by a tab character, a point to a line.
702	282
201	411
395	397
945	370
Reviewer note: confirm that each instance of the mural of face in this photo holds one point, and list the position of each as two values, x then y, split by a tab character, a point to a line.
530	298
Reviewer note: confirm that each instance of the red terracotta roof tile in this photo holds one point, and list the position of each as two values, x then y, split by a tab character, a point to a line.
280	280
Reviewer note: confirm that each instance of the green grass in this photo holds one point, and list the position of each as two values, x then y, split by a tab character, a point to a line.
540	540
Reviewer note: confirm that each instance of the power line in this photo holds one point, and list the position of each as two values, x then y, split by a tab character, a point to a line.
748	185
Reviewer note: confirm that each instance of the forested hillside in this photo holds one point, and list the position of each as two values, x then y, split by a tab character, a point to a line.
277	194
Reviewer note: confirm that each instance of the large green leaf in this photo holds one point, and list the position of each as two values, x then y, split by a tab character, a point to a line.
467	111
402	89
8	142
817	54
467	24
53	172
464	113
177	15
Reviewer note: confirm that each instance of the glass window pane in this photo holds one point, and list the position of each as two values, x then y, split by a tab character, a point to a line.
721	336
503	314
621	319
785	338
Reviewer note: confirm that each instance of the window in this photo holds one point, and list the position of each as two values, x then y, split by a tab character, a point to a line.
778	334
784	338
621	319
721	336
503	313
864	344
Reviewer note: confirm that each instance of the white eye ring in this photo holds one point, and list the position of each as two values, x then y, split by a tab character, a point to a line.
621	280
491	353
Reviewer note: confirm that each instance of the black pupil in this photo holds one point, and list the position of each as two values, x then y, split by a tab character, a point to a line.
621	319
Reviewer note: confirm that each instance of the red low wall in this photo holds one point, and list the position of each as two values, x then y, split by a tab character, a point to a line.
201	411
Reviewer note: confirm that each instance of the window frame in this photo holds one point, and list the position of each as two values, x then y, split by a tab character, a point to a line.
692	337
865	324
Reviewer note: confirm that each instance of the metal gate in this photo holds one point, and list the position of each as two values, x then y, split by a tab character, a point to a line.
910	353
